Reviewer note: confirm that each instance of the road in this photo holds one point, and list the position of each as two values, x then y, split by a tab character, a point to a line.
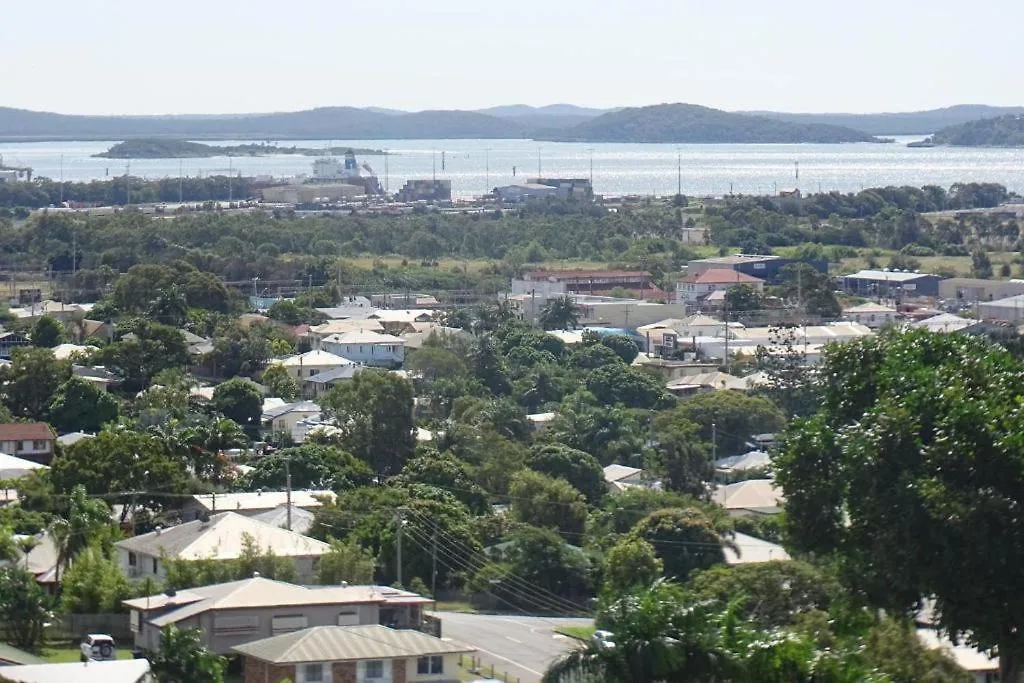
522	646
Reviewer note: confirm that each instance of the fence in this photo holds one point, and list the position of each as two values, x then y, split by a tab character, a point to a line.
74	626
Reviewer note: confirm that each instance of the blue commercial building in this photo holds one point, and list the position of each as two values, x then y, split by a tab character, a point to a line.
763	267
892	283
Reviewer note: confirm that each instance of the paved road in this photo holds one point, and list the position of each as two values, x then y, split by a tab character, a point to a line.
523	646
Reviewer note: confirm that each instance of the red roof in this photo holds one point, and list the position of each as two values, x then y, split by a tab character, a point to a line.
720	276
25	431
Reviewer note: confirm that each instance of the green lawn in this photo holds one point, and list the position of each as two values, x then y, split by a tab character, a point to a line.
463	607
578	632
62	653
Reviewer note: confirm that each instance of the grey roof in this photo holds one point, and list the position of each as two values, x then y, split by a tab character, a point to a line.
302	519
72	438
119	671
297	407
344	643
344	372
11	654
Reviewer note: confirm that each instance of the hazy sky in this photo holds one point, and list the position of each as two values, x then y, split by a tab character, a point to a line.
216	56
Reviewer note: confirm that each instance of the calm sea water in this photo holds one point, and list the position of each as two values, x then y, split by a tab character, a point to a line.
475	166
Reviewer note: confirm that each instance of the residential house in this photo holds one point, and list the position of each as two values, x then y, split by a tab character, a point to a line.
97	329
750	550
351	654
399	321
752	460
299	520
540	420
872	315
622	477
689	385
423	332
220	537
118	671
95	374
249	504
318	332
54	309
302	366
41	559
238	612
367	348
983	667
693	288
749	498
10	341
282	419
69	351
29	440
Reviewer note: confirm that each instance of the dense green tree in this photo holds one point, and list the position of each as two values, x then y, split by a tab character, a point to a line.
543	560
620	383
736	417
907	475
312	466
560	313
434	362
169	306
280	383
680	458
151	348
252	559
205	442
345	562
375	416
182	658
630	563
580	469
685	540
243	350
24	608
240	400
93	584
31	381
81	522
447	472
593	356
47	332
542	501
488	365
80	405
739	298
624	347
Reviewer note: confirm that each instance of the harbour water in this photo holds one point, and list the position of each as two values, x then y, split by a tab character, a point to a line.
476	166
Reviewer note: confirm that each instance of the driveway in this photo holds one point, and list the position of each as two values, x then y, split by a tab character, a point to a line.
522	646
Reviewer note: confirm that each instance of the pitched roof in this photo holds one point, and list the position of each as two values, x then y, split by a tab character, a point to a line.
65	351
752	494
312	358
715	380
296	407
302	519
752	550
364	337
869	307
259	500
402	315
747	461
222	538
12	467
339	326
720	276
71	438
619	472
119	671
335	374
944	322
344	643
25	431
12	655
887	275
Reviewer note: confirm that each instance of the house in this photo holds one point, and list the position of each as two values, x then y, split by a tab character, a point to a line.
752	460
356	654
97	329
763	267
13	467
424	331
401	320
10	341
696	286
945	323
96	374
703	383
366	348
302	366
118	671
47	307
29	440
540	420
751	550
299	520
891	283
749	498
249	504
282	419
41	559
318	332
220	537
68	351
622	477
684	329
982	666
238	612
872	315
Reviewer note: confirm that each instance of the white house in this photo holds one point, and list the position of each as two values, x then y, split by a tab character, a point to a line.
366	348
305	365
283	419
222	537
751	550
872	315
318	332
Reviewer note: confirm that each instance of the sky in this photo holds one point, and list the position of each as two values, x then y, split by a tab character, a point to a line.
236	56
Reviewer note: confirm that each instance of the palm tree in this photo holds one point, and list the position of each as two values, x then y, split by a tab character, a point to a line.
206	442
83	521
560	314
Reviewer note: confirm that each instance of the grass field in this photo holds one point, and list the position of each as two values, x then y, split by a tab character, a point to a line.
61	653
462	607
577	632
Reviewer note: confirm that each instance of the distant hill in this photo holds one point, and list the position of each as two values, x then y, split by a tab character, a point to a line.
325	123
900	123
690	123
1005	131
546	118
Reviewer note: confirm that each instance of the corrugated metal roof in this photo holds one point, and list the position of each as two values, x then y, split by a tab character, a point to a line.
343	643
120	671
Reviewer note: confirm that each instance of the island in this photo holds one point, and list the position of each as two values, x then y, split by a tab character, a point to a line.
1000	131
159	148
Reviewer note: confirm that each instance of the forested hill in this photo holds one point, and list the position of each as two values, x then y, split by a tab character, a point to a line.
690	123
899	123
339	123
1005	131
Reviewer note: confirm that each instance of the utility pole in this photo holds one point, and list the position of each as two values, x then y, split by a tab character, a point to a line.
62	180
400	519
288	494
487	170
714	442
433	569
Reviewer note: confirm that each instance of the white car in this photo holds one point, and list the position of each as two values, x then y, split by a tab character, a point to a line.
97	647
603	640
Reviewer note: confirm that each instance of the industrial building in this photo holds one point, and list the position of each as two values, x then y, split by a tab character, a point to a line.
1010	309
420	190
524	192
311	193
551	283
969	289
891	283
568	188
763	267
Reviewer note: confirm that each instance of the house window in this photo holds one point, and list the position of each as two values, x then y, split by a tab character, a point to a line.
430	665
39	445
314	673
133	559
374	669
312	372
26	445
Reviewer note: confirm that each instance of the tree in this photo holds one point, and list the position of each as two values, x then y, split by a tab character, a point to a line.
560	313
905	477
82	522
345	562
630	563
542	501
182	658
312	466
204	443
620	383
47	333
152	348
240	400
24	608
810	288
447	472
93	584
981	264
681	458
740	298
279	383
736	417
489	367
684	539
31	380
374	410
80	405
580	469
542	559
624	347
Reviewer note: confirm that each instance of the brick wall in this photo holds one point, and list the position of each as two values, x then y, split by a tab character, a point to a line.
257	671
342	672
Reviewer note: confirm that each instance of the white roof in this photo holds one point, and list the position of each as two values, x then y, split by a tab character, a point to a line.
367	337
272	402
1013	302
870	307
302	519
833	331
697	320
222	538
966	657
264	500
339	326
71	438
297	407
540	418
753	494
395	315
944	322
12	467
65	351
716	380
613	473
315	358
747	461
118	671
424	434
887	275
752	550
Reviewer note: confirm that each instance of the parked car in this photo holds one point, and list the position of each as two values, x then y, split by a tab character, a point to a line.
603	640
98	647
